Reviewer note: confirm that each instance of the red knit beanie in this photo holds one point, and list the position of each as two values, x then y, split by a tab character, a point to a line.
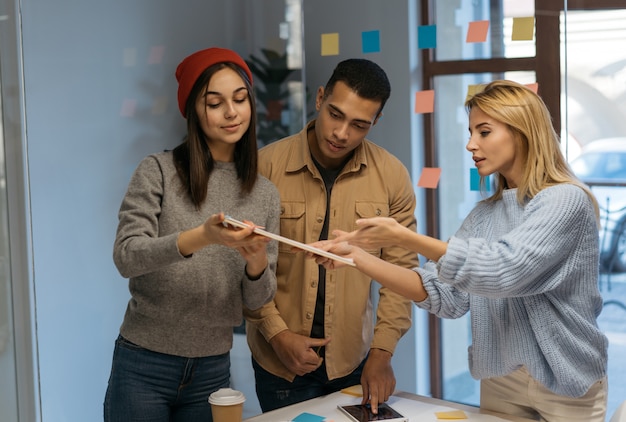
192	67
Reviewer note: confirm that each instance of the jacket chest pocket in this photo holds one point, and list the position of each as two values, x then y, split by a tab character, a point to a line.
292	223
369	209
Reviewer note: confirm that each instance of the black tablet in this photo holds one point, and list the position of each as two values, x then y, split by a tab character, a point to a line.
363	413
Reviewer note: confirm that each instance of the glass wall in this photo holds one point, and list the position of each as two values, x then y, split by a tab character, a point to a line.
452	19
8	381
457	196
456	193
592	65
594	97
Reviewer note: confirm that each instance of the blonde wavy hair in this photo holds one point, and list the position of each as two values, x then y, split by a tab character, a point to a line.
528	119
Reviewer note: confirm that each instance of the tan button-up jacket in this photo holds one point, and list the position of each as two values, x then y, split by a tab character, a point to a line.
373	183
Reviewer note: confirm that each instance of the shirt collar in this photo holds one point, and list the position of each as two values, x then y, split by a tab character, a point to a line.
301	154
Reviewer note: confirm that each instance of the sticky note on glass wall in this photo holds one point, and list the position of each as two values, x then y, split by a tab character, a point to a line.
129	57
156	54
475	180
370	41
159	106
523	29
473	90
129	106
424	101
330	44
477	31
429	178
427	36
534	87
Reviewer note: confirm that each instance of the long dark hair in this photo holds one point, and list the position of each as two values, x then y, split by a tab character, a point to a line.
192	158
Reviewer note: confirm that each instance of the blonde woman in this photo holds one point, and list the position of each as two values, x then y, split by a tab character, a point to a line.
524	264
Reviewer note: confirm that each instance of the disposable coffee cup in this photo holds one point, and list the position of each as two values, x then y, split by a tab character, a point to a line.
227	405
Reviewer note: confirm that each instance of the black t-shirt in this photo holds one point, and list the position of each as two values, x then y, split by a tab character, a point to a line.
317	331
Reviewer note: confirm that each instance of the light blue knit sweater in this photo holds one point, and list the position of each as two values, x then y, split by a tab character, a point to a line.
529	277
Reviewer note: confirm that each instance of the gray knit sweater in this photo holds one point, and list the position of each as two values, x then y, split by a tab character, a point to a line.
529	277
188	306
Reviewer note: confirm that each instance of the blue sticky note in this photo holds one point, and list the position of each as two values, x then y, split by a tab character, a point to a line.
370	41
427	36
475	180
308	417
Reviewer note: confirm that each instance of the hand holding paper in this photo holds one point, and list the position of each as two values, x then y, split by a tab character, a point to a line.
308	248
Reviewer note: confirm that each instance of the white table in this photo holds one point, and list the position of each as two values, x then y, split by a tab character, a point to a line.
416	408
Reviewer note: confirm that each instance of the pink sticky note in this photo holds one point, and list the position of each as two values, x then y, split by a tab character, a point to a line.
477	31
128	108
429	178
533	87
424	101
156	54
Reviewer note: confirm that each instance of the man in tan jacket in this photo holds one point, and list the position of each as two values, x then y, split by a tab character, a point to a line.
320	334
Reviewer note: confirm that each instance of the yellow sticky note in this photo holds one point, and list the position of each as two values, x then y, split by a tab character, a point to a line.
355	390
523	29
159	106
451	415
473	90
330	44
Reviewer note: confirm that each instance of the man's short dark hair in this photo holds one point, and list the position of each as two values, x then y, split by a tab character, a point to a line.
364	77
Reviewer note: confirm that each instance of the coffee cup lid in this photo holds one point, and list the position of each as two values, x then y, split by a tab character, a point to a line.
226	397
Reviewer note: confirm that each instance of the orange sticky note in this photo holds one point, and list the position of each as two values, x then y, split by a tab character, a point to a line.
429	178
330	44
477	31
425	101
523	29
451	415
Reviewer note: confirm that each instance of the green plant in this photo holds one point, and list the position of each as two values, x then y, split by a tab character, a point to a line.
272	94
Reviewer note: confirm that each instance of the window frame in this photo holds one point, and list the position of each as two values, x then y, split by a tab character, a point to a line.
547	67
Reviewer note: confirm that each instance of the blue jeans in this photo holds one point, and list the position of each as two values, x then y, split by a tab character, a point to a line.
150	386
274	392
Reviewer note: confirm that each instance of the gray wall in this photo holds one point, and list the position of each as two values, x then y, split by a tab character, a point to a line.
395	20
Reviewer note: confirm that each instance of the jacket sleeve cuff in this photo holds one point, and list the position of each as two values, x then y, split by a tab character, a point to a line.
385	341
271	326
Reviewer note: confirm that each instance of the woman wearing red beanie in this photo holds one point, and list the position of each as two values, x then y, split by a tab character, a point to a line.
189	275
